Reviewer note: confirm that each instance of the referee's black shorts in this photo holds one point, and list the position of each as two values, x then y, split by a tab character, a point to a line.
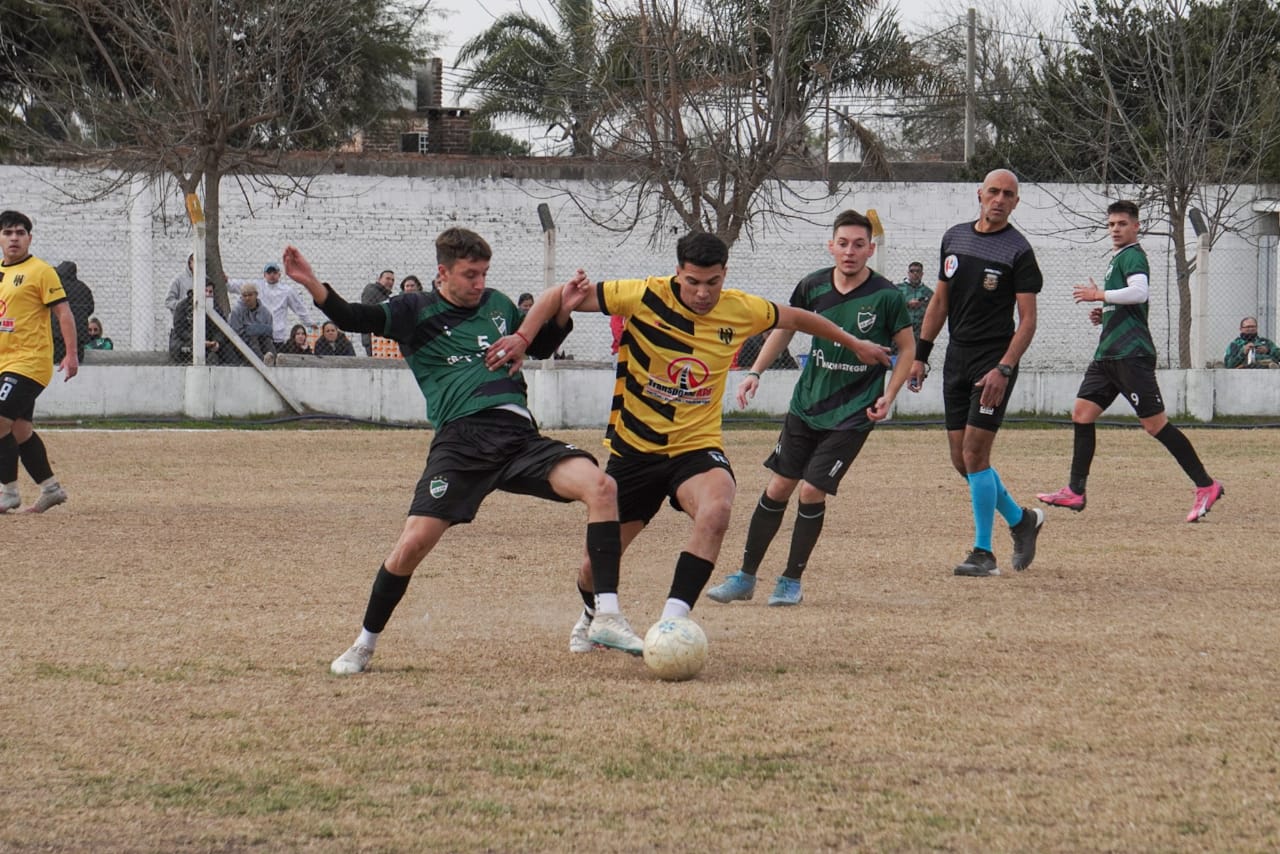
961	398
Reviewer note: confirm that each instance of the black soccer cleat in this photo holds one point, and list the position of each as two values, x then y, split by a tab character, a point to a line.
1024	537
979	564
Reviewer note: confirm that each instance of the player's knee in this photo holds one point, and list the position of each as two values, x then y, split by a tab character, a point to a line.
810	494
713	516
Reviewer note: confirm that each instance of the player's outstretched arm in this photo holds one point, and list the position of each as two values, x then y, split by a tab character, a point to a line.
773	347
867	352
298	268
348	317
905	340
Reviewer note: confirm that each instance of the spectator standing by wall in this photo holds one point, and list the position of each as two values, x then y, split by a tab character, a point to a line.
96	340
375	292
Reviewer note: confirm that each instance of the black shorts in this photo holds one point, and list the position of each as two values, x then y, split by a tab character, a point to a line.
818	457
1134	377
961	399
18	396
645	479
473	456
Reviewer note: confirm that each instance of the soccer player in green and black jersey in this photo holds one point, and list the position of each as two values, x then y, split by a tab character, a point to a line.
987	269
836	402
486	438
1125	364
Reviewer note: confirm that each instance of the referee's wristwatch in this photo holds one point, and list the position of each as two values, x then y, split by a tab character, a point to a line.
1005	370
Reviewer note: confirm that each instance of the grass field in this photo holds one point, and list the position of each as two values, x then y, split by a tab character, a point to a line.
168	632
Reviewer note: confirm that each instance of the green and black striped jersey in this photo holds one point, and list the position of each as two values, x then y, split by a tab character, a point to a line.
1125	332
835	388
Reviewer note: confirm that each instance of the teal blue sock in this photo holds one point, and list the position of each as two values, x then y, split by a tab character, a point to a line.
982	492
1005	505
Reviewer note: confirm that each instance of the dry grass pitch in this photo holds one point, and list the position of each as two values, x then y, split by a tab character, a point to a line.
167	636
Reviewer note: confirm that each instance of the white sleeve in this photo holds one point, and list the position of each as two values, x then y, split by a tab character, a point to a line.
1134	293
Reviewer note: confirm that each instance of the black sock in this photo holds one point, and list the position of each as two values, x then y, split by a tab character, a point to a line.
8	459
809	518
589	600
765	522
35	459
1176	442
691	575
1086	445
604	549
387	591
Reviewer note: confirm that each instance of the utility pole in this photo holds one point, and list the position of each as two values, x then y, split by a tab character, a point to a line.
971	70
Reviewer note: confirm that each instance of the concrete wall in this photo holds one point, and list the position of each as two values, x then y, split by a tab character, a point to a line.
129	245
561	397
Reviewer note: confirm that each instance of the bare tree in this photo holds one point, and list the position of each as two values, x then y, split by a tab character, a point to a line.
197	91
1171	101
712	101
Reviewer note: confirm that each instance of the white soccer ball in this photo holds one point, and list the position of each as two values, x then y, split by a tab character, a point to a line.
675	648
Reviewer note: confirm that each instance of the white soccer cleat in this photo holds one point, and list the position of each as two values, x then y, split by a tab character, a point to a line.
48	498
579	640
354	660
9	501
613	631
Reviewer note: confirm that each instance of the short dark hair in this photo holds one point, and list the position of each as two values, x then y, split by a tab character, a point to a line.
1129	209
851	217
457	243
919	264
384	272
8	219
524	296
701	250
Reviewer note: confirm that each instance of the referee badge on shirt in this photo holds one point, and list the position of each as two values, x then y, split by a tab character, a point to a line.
949	266
990	279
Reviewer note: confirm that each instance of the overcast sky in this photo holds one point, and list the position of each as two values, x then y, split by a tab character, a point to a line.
468	18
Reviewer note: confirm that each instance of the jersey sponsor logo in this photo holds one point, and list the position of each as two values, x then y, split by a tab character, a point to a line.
6	324
438	487
990	279
866	320
950	265
685	382
819	361
726	335
19	279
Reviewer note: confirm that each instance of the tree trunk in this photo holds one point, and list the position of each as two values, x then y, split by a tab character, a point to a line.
1183	269
213	250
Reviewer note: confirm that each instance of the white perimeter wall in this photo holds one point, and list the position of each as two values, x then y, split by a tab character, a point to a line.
559	398
128	246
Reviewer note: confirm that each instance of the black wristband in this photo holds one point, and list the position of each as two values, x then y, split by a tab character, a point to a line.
923	350
1006	371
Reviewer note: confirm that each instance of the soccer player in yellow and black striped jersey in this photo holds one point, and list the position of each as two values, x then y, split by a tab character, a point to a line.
30	291
664	434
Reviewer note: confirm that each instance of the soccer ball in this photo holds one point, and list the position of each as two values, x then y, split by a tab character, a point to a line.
675	648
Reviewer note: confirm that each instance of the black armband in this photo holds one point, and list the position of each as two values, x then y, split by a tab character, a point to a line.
923	350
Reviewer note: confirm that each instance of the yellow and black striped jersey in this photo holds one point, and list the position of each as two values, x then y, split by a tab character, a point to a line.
673	364
27	290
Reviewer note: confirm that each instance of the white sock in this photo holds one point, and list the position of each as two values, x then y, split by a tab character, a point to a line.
368	638
675	608
607	603
9	488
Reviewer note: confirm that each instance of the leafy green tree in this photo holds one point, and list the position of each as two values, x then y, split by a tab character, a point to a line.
1171	102
199	91
524	68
